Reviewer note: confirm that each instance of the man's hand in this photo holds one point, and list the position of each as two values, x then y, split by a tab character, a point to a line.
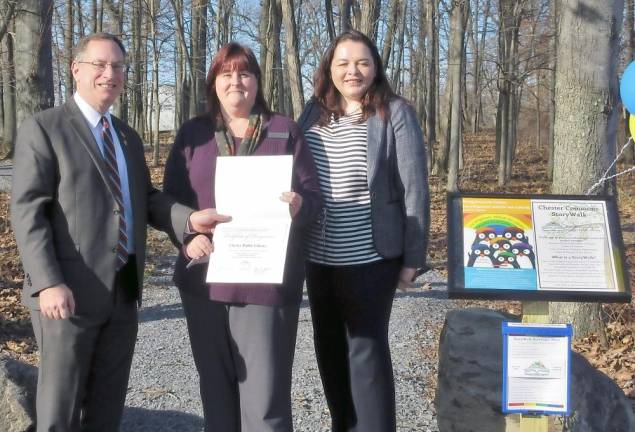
295	202
57	302
204	221
406	277
199	247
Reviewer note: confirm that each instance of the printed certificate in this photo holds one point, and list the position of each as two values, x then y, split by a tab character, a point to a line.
252	247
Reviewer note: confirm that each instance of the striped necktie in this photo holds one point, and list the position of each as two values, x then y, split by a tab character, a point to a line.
110	157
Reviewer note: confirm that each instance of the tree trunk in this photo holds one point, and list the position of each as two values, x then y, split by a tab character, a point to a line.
345	15
223	22
156	107
369	18
33	59
396	70
330	25
555	19
270	54
136	91
8	96
420	55
94	15
586	116
186	65
293	58
199	53
390	31
7	17
68	48
432	83
478	71
116	12
80	19
458	15
511	13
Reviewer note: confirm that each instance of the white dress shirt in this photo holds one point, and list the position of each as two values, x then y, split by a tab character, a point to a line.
93	117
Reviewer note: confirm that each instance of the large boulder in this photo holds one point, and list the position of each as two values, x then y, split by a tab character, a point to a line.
18	382
469	389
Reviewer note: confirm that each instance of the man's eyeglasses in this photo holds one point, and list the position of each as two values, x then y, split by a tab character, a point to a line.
102	65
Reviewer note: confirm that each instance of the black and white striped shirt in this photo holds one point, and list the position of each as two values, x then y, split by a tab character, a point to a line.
343	235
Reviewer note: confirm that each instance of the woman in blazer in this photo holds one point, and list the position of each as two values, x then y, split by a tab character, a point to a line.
372	234
242	335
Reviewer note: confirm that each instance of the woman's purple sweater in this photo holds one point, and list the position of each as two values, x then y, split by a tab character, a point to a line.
189	177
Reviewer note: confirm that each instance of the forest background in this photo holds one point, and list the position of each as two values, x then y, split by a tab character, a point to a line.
512	95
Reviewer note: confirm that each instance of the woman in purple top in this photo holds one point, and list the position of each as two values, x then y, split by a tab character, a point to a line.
242	335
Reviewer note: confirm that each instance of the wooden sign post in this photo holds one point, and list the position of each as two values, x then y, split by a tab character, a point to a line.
534	312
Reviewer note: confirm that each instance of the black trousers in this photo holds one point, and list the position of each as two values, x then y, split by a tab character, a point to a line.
350	307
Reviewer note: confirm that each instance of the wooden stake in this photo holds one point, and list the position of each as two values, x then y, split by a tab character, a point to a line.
533	312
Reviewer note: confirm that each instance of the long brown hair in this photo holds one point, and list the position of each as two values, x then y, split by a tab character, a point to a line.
378	95
233	56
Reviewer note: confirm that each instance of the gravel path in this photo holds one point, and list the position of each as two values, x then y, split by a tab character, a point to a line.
163	393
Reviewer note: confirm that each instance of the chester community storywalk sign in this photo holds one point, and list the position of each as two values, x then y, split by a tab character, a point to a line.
539	247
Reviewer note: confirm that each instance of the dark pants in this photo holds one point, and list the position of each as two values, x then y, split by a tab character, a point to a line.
244	356
350	307
85	363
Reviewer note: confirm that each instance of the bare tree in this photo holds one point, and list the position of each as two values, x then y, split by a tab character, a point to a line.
432	88
137	57
586	116
8	96
184	74
223	23
270	54
8	8
400	48
199	54
68	48
79	17
33	59
554	18
479	54
458	17
390	30
345	15
369	17
293	59
330	25
511	13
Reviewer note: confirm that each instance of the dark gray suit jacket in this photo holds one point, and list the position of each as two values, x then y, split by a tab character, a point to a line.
397	180
64	214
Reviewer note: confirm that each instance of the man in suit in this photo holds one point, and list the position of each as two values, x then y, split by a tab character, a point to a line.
81	200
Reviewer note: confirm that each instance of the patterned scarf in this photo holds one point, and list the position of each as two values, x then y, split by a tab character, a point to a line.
225	141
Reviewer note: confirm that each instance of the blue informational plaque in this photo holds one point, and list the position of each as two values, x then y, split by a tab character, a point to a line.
536	368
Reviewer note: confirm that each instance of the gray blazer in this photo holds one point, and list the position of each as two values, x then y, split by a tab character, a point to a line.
64	214
397	180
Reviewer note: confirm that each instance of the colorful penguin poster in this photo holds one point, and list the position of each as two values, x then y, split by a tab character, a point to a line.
499	244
